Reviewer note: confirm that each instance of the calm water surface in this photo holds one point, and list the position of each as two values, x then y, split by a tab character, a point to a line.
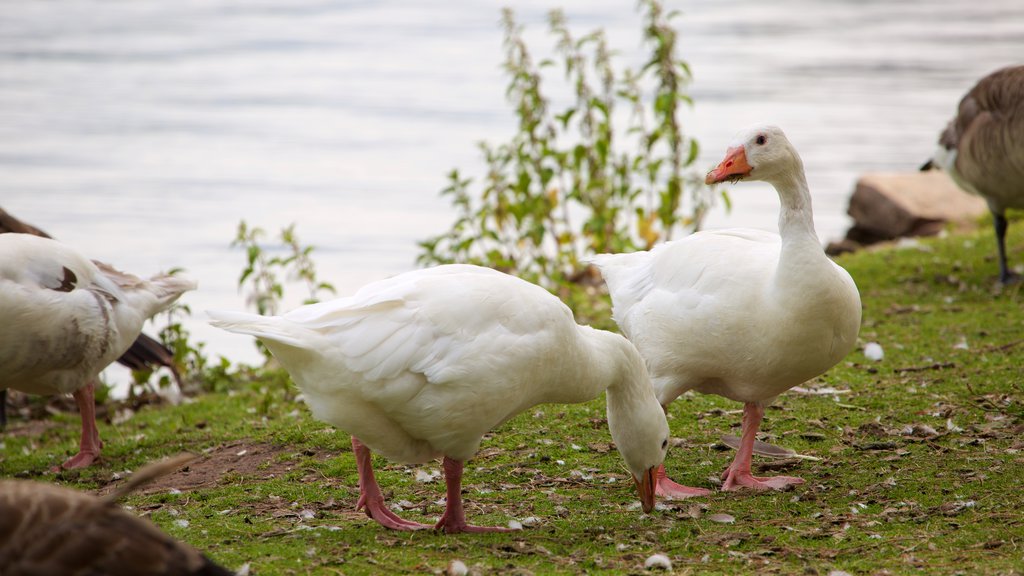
143	132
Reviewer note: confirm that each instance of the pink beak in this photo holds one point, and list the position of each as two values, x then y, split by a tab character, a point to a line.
733	166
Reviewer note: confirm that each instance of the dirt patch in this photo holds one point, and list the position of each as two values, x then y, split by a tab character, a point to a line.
231	461
31	428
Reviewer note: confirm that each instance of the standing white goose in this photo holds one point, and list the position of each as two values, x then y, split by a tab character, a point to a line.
740	313
982	149
65	318
423	364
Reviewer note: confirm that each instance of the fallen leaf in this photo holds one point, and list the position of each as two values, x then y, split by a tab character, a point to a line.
425	477
765	449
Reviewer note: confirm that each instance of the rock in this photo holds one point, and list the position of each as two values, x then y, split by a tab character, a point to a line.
658	561
885	206
457	568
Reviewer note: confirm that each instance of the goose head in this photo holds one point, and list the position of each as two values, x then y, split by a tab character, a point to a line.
757	153
638	426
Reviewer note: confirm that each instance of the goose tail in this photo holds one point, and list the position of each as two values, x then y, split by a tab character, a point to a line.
267	328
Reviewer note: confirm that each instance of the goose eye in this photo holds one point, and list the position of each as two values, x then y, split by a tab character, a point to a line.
664	444
761	139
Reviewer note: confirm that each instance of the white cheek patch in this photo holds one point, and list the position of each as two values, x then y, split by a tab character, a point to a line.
945	159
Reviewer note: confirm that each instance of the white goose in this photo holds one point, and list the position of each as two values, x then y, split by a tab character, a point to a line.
423	364
66	318
740	313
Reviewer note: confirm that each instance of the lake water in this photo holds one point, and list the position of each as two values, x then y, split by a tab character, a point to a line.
142	132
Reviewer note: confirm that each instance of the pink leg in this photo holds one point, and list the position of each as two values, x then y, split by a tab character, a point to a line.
668	489
453	520
371	497
738	475
90	444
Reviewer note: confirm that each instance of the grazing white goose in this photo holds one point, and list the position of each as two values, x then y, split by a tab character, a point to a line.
423	364
66	318
982	149
48	529
740	313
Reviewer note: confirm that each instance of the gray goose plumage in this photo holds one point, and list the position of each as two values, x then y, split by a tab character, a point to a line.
65	318
145	353
47	529
982	148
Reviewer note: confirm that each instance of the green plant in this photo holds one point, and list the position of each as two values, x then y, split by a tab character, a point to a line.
189	358
585	179
264	270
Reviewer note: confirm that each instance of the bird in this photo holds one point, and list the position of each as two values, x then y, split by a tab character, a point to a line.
982	149
49	529
740	313
66	318
145	353
422	365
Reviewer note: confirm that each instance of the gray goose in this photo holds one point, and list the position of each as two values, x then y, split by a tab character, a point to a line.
65	318
982	149
48	529
145	353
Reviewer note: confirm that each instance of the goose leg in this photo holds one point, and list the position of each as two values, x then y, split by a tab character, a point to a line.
738	475
370	496
453	520
1000	223
668	489
90	444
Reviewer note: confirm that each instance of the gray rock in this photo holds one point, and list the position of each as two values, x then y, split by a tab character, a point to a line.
885	206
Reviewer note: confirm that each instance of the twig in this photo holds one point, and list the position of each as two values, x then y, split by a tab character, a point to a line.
1001	347
935	366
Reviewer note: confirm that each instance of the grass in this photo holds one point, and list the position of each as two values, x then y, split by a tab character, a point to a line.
919	473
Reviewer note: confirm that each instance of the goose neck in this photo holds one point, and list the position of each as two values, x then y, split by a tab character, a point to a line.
614	365
796	218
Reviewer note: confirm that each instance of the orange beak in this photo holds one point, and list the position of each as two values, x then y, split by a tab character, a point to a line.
734	166
645	485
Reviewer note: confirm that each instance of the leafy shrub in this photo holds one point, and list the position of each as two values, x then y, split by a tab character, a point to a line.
588	178
265	272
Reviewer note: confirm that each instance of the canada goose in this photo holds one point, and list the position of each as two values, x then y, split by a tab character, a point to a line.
48	529
982	149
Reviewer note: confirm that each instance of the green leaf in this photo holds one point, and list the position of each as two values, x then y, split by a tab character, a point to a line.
694	152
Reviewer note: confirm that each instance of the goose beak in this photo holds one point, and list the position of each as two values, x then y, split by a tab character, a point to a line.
734	166
645	485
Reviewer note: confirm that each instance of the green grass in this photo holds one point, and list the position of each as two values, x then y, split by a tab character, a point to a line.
880	501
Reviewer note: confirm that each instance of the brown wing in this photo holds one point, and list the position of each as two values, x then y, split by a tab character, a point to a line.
989	134
9	223
46	529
